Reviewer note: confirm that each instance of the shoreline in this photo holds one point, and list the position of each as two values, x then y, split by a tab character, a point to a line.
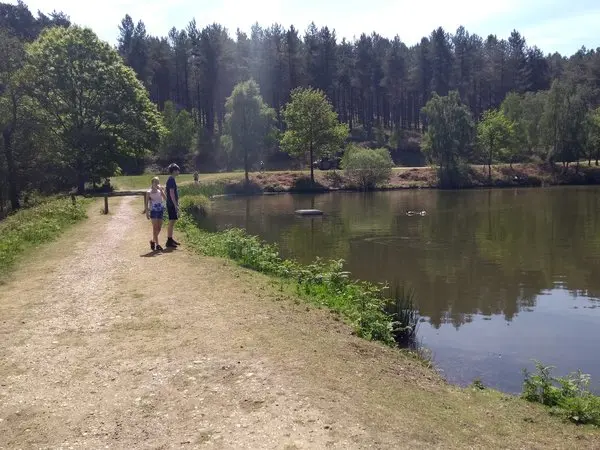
503	177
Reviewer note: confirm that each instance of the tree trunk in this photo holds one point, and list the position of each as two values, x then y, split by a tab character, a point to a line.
312	171
246	168
13	191
490	160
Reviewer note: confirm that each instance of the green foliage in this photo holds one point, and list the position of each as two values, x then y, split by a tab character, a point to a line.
478	384
402	308
495	134
323	283
312	125
90	100
448	136
568	396
195	205
592	137
367	168
248	124
34	226
176	143
563	121
208	190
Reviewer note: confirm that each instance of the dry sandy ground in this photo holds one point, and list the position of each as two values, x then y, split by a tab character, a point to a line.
104	346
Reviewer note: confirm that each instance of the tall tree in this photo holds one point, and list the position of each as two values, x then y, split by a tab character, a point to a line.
312	126
92	102
248	123
176	143
495	132
12	56
449	134
441	62
592	142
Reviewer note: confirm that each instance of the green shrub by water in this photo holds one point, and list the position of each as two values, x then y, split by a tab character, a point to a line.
195	205
208	190
33	226
401	306
569	396
324	283
366	168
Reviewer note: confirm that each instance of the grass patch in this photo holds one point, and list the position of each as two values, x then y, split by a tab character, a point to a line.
31	227
206	190
568	397
143	181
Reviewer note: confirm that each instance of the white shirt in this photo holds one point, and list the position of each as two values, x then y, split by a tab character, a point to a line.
155	199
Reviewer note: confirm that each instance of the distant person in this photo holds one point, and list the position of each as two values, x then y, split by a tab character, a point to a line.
196	177
155	210
172	204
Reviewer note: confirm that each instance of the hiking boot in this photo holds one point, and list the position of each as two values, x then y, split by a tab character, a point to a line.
171	243
175	242
159	248
152	245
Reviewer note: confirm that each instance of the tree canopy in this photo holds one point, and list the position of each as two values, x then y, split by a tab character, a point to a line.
248	123
495	133
91	101
449	133
312	125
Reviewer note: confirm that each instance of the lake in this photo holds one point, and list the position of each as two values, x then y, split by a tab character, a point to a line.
501	276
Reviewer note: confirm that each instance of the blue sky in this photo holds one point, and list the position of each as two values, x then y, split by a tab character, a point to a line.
552	25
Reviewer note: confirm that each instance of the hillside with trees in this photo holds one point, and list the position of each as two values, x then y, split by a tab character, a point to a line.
378	87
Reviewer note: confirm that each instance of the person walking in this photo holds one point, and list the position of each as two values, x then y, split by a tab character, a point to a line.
155	211
172	204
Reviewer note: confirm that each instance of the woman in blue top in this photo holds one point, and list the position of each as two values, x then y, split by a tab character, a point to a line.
155	210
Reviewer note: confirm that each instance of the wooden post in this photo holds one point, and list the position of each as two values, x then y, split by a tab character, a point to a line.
105	203
73	199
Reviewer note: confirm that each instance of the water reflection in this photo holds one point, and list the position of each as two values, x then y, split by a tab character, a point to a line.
494	253
477	252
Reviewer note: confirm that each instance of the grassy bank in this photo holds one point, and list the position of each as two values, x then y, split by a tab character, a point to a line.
525	175
373	311
31	227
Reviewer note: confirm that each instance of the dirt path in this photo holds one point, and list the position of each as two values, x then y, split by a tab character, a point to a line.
105	346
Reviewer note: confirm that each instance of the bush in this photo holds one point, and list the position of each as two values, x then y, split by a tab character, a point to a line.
305	184
366	168
195	205
207	190
401	306
568	396
34	226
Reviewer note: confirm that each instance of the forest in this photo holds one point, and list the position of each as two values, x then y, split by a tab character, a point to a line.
514	102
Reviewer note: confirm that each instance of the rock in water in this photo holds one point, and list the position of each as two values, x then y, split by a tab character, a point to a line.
309	212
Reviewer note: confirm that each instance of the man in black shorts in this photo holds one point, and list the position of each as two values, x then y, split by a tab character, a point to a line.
172	204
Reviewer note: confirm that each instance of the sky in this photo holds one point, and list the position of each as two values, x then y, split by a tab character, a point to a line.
553	25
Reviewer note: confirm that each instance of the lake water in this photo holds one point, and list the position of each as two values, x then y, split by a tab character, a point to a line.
501	276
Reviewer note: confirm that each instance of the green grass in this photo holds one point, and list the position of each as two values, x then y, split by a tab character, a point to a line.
143	181
568	397
31	227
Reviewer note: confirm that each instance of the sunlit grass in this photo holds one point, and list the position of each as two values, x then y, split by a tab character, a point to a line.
143	181
31	227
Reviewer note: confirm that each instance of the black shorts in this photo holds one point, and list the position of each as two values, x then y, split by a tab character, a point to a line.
172	212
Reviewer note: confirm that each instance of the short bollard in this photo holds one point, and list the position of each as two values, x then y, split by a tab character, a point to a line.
106	204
